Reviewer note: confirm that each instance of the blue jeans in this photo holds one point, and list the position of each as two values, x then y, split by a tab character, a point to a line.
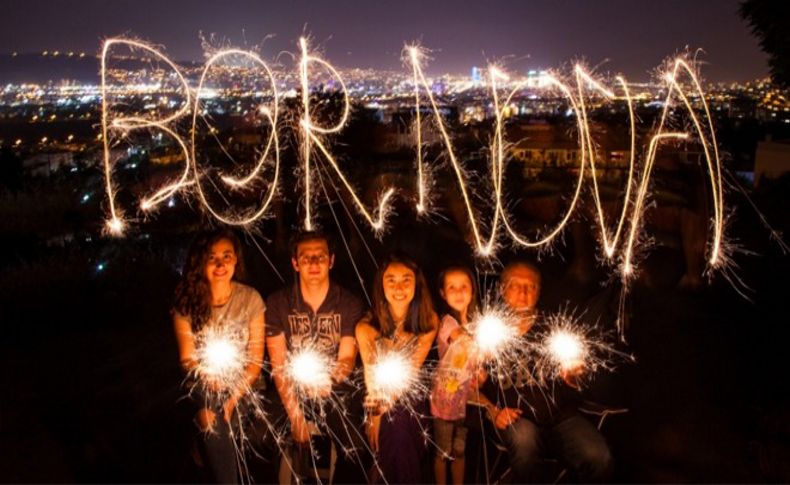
574	440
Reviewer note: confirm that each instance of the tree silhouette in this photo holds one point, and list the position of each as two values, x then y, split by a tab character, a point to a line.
770	23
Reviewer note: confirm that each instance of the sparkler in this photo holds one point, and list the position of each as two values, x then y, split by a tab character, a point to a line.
310	370
494	333
563	343
566	348
393	377
220	351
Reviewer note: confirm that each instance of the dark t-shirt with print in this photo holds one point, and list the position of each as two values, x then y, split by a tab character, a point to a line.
286	312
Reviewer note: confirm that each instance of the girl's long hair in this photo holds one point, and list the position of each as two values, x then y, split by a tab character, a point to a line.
472	308
420	318
193	293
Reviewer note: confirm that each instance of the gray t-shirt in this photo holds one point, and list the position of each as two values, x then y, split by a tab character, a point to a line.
244	304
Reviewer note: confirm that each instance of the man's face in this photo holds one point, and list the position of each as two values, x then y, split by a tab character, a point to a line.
521	289
313	261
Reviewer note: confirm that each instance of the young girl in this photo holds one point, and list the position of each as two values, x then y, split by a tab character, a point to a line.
403	317
455	374
209	296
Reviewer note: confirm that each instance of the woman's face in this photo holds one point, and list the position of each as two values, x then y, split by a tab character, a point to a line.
457	290
221	262
399	284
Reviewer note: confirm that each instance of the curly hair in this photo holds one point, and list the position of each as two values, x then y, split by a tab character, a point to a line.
421	313
193	293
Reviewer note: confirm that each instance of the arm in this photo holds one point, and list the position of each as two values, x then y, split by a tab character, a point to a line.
255	347
478	398
277	350
346	357
366	338
424	343
186	342
501	418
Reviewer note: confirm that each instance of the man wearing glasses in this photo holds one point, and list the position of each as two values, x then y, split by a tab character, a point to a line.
318	313
530	419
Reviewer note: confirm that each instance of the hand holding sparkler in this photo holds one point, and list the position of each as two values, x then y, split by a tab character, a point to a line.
494	333
506	416
567	349
311	372
221	360
570	350
392	378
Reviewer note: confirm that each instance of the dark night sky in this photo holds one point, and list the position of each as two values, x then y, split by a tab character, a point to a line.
632	36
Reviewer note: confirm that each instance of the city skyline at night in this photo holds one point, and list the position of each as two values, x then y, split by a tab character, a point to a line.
632	38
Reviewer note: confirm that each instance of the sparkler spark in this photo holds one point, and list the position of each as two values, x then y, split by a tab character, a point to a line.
494	333
311	136
393	377
564	343
566	348
618	236
310	370
220	352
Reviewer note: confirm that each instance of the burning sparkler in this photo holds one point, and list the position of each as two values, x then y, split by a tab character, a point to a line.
495	334
565	345
310	370
220	351
393	377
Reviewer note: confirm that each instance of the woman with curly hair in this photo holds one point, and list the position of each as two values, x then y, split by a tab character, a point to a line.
209	299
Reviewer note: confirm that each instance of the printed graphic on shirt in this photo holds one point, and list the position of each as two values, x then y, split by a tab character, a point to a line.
453	379
326	331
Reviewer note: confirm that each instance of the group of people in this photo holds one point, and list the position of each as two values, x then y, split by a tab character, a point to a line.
378	441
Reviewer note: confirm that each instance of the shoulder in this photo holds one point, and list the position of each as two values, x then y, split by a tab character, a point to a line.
346	296
449	320
279	298
433	319
248	294
365	327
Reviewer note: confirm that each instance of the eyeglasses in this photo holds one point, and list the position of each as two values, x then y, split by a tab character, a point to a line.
317	259
522	287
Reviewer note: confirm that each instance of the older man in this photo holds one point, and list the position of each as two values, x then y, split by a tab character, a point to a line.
531	419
